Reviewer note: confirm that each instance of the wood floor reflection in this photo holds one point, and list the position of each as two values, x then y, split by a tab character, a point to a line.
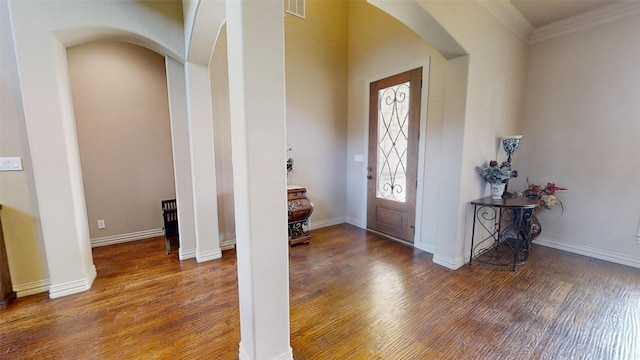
354	295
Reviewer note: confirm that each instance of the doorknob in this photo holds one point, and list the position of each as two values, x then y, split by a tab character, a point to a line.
369	177
370	169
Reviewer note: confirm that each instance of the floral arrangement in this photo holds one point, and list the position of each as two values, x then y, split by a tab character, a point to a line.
494	173
545	195
289	163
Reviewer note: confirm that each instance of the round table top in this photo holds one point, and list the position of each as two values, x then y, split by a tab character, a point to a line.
522	202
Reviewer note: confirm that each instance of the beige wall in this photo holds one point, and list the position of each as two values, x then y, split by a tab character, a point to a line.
20	218
316	87
582	131
122	120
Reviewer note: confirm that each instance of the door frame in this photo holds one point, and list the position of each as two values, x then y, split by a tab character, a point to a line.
424	101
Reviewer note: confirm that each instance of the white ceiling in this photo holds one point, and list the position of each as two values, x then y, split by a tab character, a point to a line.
542	12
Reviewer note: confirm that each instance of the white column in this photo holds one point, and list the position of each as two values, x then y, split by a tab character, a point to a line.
181	156
452	219
53	143
203	165
255	34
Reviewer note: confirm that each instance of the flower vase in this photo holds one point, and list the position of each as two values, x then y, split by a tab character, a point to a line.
497	189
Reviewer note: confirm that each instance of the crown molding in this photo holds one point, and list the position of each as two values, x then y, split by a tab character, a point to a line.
509	16
609	13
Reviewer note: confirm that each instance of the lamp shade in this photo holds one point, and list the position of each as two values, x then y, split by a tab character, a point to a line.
510	143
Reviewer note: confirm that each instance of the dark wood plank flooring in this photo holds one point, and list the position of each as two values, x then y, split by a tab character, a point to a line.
354	295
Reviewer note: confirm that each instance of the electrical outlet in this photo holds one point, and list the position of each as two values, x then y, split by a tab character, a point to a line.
101	224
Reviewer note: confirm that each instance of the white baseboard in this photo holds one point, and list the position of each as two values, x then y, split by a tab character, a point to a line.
287	355
326	223
72	287
31	288
591	252
449	263
208	255
228	244
184	254
116	239
356	222
430	248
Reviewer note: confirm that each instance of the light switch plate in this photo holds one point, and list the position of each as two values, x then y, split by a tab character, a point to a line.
10	164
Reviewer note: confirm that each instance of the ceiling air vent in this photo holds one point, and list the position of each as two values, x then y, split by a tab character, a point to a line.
295	7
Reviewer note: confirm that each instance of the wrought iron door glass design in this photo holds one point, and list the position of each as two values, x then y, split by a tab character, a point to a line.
393	128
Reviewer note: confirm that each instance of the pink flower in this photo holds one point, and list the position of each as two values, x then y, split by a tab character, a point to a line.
551	188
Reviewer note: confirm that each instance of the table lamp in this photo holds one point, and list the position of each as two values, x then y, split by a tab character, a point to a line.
510	145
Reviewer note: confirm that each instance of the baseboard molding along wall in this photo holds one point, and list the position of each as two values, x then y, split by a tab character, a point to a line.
231	243
450	263
184	254
72	287
31	288
228	244
590	252
356	223
121	238
326	223
208	255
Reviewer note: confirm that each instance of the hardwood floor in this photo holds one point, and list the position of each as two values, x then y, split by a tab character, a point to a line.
354	295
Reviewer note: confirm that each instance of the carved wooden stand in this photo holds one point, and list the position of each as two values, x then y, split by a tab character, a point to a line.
300	208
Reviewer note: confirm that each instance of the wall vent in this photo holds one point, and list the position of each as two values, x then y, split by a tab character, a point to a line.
295	7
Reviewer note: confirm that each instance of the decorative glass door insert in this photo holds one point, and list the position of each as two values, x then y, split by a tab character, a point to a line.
393	128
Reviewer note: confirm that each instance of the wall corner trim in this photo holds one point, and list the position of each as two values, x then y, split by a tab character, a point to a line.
73	287
453	264
184	254
430	248
615	11
202	256
356	222
510	17
228	244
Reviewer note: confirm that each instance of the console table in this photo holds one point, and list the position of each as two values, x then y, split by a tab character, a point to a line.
507	236
300	208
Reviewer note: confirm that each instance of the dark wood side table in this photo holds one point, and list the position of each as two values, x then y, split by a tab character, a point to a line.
507	236
300	208
7	295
